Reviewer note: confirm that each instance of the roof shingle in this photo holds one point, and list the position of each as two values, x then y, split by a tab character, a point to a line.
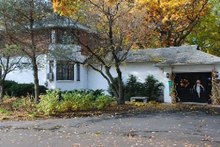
183	55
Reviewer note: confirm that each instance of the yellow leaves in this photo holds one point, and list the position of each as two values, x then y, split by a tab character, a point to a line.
171	17
111	2
165	19
159	20
55	4
66	7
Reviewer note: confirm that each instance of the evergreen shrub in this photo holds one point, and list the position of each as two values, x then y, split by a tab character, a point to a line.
151	88
13	88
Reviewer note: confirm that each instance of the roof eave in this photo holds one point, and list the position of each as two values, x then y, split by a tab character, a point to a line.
185	64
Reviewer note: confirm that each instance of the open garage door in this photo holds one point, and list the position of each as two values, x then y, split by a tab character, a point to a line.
194	87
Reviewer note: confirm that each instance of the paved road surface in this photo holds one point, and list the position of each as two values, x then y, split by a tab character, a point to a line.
187	129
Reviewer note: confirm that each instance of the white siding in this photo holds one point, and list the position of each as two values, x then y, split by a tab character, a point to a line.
90	79
193	68
26	76
70	84
217	68
140	70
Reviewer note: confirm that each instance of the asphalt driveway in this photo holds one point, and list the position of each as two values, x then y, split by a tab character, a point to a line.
187	129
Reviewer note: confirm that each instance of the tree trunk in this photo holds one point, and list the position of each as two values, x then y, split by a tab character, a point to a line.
2	88
1	92
36	80
121	99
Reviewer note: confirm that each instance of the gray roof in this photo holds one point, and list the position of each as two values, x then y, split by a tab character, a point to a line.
183	55
57	21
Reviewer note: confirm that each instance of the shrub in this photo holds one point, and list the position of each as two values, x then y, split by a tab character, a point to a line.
7	87
72	101
133	88
14	89
9	83
49	102
151	88
103	101
85	102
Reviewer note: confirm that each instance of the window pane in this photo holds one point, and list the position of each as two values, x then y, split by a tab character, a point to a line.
51	66
78	72
65	70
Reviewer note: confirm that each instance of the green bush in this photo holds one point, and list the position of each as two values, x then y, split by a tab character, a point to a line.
49	103
72	101
9	83
103	101
133	88
151	88
14	89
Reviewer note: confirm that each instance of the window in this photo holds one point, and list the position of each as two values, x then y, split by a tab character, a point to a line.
78	71
65	70
51	66
53	36
65	37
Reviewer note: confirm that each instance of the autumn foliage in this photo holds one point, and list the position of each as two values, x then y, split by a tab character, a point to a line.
122	25
173	20
166	22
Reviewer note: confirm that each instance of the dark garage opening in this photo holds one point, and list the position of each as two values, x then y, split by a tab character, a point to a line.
186	89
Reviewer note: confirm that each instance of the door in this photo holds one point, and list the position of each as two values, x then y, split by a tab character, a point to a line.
194	87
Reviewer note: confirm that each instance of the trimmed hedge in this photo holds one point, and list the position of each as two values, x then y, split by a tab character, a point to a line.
13	88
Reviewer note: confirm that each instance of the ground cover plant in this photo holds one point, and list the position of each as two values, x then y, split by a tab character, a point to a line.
81	103
25	109
55	102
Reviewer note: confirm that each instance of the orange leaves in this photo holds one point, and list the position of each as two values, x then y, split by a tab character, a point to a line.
56	4
175	9
66	7
173	20
165	21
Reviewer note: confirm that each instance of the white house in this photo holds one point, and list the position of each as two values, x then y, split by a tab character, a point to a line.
187	63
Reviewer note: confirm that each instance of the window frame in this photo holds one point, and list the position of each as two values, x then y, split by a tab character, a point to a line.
65	70
78	70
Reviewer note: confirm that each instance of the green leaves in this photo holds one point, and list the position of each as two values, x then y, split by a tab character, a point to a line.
73	101
207	32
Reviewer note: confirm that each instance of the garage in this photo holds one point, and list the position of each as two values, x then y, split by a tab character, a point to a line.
193	87
189	73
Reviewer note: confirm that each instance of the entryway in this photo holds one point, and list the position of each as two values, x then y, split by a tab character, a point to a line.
186	88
